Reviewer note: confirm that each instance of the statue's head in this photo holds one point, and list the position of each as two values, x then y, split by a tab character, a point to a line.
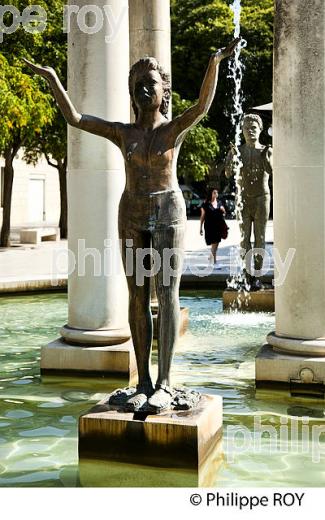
252	126
149	86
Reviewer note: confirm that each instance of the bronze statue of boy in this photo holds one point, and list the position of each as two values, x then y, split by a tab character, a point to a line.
150	149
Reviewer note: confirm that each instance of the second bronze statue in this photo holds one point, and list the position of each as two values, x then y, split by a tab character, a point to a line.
150	149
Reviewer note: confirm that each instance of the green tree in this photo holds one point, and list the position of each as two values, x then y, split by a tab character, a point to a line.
199	148
199	29
24	110
52	143
47	47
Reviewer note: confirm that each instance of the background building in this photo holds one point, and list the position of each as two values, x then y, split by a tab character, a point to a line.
36	195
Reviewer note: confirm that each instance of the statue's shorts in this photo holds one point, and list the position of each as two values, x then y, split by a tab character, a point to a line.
152	211
155	222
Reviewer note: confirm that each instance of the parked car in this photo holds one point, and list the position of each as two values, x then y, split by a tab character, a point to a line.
193	201
229	203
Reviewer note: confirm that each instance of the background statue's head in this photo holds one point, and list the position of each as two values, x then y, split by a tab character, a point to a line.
252	126
149	86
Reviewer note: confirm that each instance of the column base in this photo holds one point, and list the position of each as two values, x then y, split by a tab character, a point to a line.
95	337
256	301
298	346
184	319
59	357
300	374
179	441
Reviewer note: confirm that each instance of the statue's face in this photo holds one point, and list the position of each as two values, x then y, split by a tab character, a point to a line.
251	131
148	91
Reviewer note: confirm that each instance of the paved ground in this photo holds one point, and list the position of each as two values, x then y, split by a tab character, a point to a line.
37	266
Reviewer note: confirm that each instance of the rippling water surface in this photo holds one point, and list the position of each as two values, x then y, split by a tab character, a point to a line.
39	417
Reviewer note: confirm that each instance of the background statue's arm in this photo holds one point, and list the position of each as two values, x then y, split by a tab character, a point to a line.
232	161
92	124
193	115
268	159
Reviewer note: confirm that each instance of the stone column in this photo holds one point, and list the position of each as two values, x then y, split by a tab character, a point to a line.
98	66
150	31
299	187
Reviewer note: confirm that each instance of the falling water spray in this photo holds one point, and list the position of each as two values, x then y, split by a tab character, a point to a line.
236	69
236	74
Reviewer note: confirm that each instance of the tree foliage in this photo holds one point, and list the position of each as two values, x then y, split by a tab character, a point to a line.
24	110
199	148
199	29
48	47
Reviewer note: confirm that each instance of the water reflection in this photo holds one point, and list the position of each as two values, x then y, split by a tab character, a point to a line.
39	417
111	473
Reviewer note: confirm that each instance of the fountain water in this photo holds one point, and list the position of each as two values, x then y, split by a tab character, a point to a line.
236	68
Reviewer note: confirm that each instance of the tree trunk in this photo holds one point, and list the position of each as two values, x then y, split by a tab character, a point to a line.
7	195
63	223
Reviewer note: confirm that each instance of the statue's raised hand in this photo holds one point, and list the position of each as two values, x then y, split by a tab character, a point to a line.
46	72
228	51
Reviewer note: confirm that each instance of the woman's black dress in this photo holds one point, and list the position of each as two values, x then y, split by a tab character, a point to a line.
213	223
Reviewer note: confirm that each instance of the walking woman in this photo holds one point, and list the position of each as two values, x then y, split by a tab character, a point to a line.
212	216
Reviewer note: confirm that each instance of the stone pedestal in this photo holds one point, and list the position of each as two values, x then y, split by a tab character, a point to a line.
300	375
255	301
299	183
175	440
58	357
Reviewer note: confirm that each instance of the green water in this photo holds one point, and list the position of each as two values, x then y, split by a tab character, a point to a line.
38	417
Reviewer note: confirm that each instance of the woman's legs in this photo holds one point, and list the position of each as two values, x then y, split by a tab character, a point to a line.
214	249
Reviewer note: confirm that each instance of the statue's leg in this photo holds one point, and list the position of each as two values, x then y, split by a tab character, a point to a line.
140	317
167	241
245	228
262	212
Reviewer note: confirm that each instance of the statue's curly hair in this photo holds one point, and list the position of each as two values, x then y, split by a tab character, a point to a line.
141	67
252	117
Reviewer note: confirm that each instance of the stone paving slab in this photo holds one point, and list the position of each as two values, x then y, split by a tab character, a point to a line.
25	267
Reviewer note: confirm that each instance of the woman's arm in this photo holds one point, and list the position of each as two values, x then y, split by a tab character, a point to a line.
202	219
92	124
193	115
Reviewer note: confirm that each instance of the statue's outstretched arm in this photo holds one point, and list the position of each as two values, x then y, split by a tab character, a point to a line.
232	161
92	124
193	115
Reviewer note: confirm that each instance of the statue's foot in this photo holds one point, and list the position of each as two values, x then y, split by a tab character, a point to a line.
139	399
161	400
